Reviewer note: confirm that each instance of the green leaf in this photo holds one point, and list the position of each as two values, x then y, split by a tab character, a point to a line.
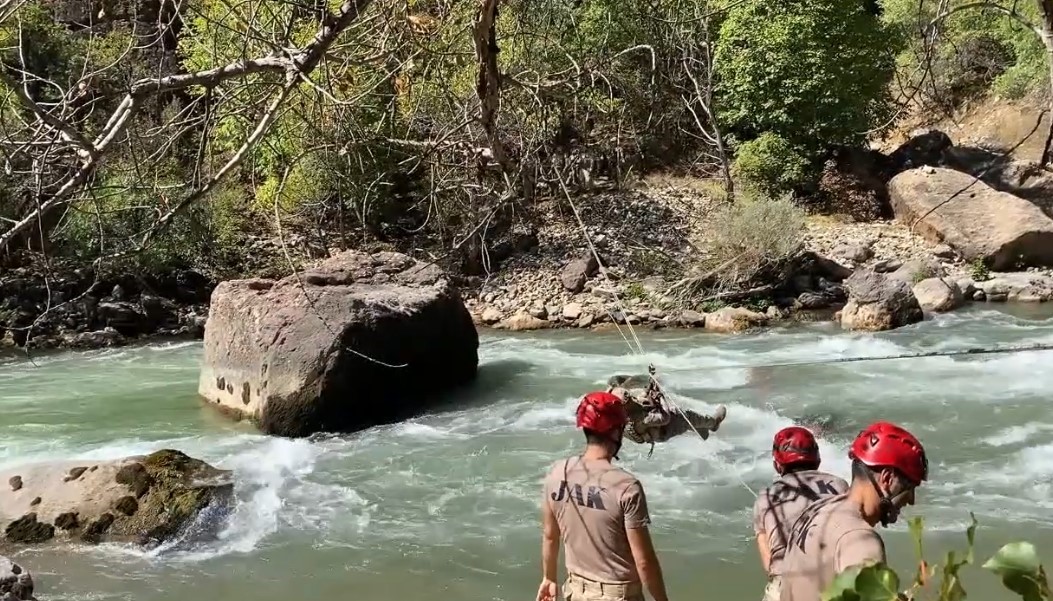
843	587
917	525
877	583
1018	565
1013	559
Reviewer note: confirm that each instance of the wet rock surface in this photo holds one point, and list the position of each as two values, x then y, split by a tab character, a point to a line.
145	499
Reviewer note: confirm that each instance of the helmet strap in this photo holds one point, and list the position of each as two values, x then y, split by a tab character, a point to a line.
889	513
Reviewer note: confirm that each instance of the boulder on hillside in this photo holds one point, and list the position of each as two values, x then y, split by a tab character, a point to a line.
877	302
144	499
16	583
358	340
1026	179
577	272
981	223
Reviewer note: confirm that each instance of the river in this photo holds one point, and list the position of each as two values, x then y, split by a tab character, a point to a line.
446	506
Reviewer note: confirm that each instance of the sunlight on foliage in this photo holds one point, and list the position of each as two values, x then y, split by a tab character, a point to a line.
1016	564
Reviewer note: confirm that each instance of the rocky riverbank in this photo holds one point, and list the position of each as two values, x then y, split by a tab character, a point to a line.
957	215
549	291
80	308
943	249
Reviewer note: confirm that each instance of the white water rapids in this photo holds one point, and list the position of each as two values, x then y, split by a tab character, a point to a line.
446	505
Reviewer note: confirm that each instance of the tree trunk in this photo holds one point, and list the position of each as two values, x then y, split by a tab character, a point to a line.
1045	8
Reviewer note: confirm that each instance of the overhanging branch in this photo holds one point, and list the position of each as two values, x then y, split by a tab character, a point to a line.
302	62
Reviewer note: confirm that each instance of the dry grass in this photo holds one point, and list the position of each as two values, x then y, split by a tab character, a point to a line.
741	241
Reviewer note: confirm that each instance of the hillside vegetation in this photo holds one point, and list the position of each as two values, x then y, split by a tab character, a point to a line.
226	135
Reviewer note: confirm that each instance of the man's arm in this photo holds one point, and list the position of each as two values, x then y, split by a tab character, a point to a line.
549	543
647	562
764	548
760	509
637	518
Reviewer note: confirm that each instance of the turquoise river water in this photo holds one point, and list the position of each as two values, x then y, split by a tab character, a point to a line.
445	506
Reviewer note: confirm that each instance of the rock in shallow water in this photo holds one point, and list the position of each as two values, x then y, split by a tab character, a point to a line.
357	340
16	583
143	499
878	302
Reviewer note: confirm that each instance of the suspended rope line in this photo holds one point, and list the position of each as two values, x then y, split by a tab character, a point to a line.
955	353
638	349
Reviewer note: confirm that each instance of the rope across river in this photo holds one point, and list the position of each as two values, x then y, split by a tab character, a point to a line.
638	348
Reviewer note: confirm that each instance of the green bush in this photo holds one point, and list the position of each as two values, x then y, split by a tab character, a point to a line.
771	164
814	72
745	238
978	50
1016	564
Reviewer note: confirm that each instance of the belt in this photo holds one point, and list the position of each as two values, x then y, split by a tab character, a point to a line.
585	585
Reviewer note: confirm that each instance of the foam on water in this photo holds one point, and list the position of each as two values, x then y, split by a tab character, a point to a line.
469	476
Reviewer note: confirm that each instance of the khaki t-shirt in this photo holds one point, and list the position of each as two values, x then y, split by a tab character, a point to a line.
594	502
778	507
828	538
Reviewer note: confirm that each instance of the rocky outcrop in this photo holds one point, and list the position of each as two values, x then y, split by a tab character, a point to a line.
981	223
877	302
355	341
16	583
79	308
1026	179
1015	287
146	500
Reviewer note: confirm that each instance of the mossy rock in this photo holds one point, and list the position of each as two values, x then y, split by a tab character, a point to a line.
178	488
145	499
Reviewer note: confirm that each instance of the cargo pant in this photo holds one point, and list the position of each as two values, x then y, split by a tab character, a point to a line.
773	588
577	588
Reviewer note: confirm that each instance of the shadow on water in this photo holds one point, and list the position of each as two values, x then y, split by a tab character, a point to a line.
492	382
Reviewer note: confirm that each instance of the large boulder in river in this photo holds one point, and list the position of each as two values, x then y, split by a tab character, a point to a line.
978	221
145	500
358	340
877	302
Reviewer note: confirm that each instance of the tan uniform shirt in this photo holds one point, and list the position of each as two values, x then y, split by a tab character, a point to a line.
828	538
594	502
778	507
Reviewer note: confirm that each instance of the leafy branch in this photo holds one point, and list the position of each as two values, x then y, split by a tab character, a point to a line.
1016	564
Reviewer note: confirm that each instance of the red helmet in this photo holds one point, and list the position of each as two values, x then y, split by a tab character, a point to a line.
602	412
883	444
794	445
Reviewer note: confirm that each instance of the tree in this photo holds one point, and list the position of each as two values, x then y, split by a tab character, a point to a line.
812	72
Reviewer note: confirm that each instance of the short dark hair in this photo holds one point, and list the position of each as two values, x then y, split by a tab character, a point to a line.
859	470
593	437
799	466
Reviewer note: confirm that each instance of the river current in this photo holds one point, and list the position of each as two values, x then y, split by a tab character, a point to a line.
445	506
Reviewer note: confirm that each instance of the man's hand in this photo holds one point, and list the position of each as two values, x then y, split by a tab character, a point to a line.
547	591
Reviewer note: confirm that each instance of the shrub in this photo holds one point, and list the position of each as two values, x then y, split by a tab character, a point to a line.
771	164
814	72
1016	564
749	236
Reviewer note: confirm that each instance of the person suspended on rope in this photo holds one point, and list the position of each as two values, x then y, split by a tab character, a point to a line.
795	457
600	514
837	533
651	419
